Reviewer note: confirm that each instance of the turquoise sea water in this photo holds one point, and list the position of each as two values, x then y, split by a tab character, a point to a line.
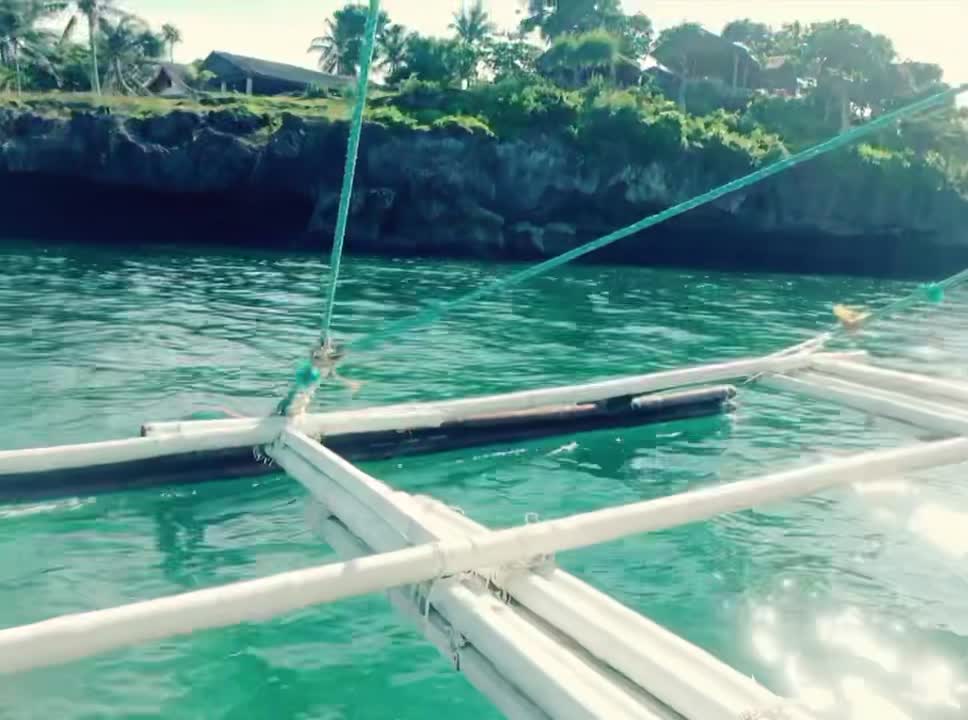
855	600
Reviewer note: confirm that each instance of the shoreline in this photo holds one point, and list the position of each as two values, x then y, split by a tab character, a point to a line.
237	180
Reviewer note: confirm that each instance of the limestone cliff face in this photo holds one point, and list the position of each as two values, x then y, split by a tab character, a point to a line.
231	177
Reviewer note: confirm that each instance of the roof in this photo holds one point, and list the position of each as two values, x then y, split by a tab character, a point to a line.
279	71
776	62
702	45
178	74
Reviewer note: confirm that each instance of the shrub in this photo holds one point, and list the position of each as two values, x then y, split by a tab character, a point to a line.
390	116
468	123
517	106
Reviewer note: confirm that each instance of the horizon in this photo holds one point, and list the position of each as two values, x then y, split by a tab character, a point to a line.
260	30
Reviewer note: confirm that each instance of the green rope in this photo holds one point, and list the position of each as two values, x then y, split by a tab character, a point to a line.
435	311
308	375
349	171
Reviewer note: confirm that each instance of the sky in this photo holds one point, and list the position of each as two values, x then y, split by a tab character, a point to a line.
925	30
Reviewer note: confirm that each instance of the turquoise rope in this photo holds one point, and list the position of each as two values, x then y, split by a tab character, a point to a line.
307	376
349	171
435	311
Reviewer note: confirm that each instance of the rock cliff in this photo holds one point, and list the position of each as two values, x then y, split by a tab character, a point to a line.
230	177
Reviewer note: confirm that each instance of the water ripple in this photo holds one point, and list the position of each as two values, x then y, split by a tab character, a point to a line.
853	602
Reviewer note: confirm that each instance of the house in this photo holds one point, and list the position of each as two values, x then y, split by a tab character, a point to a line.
263	77
698	54
170	80
662	79
780	75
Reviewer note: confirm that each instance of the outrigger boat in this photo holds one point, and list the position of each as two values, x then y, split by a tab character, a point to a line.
538	642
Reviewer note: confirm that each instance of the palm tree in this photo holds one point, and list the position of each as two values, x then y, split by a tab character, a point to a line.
127	48
19	38
7	78
393	48
92	11
172	37
472	24
473	27
339	48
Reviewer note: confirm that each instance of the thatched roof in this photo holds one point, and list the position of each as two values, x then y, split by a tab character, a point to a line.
170	79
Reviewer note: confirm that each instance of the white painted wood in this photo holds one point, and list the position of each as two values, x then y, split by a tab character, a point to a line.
478	670
433	414
904	382
651	656
903	408
671	668
143	448
564	683
76	636
509	641
646	656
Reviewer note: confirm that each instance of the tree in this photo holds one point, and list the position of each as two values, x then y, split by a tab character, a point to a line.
472	24
637	34
340	47
433	60
128	47
572	17
509	57
20	40
474	28
849	64
393	47
847	48
672	49
758	37
172	36
577	17
8	79
579	58
92	11
72	68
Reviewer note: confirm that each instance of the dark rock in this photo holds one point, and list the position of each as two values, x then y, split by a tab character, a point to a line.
176	128
28	124
444	193
236	121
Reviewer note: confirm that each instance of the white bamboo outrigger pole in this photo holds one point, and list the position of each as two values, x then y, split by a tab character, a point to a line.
179	438
947	391
655	659
478	670
75	636
556	680
433	414
877	401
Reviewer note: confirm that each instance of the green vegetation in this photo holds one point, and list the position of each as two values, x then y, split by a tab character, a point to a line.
340	46
573	72
466	123
121	49
63	104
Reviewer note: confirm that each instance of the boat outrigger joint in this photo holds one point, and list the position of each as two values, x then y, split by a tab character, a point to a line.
538	642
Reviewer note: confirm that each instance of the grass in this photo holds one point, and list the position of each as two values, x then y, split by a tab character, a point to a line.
62	104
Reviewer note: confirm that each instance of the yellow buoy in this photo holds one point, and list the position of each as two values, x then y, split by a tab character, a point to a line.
850	318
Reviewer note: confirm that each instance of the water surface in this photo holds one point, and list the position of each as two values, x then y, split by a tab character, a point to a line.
855	600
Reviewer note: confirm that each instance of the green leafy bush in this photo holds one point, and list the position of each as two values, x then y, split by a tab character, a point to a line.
521	106
390	116
468	123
